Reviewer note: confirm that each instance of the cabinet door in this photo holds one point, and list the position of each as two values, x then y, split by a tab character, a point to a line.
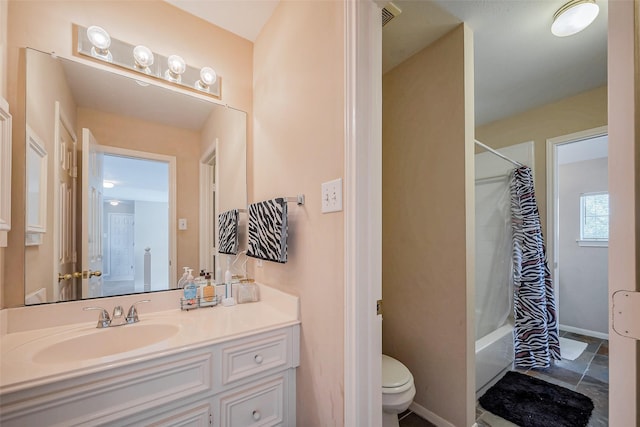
258	404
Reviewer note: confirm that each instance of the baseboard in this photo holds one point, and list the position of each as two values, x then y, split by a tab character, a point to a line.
429	416
587	332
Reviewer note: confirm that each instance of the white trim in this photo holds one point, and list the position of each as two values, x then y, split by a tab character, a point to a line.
363	214
5	171
208	221
586	332
430	416
551	168
173	224
593	243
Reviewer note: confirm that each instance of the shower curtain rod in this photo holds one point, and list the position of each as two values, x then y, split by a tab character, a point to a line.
502	156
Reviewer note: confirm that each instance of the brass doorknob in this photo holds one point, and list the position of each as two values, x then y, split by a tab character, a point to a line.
62	277
89	274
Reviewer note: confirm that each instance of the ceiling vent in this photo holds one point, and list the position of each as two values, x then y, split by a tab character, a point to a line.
389	12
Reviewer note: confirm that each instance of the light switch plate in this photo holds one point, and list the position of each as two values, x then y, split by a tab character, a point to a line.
182	224
332	196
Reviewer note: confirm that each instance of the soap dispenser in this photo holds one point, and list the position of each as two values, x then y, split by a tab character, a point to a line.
190	290
183	279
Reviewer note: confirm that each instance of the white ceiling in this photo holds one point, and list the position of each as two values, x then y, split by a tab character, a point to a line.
242	17
519	64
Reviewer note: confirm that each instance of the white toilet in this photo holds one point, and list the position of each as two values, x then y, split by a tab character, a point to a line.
398	390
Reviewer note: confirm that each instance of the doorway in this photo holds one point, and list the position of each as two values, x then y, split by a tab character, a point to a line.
135	207
578	227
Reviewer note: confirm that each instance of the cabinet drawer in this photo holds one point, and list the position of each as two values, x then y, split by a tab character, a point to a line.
259	404
241	360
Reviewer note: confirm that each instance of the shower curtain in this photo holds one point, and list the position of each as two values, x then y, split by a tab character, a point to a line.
536	340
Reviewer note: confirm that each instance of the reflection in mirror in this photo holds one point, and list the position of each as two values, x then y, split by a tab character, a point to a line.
124	163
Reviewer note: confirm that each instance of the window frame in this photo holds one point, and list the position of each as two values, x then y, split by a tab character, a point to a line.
597	242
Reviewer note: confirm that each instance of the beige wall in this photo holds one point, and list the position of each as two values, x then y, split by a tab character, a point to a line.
46	26
184	145
298	144
46	85
624	182
587	110
427	179
4	12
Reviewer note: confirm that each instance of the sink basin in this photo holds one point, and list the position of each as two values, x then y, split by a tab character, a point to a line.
105	342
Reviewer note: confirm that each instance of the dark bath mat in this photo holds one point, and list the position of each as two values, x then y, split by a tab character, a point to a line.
531	402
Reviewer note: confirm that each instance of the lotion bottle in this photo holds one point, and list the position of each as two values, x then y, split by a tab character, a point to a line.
228	277
183	279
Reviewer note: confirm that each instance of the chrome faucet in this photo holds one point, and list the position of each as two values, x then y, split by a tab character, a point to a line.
104	321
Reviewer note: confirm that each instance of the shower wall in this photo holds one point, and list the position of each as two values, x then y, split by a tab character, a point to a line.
494	292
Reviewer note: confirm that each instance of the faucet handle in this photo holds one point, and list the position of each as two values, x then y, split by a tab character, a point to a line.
117	312
104	321
132	316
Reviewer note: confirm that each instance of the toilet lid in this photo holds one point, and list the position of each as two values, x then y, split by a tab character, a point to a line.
394	373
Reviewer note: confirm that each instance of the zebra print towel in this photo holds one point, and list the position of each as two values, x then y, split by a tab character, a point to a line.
535	333
228	232
268	230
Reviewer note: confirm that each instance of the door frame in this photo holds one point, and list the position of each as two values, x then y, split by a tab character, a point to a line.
171	161
551	168
363	213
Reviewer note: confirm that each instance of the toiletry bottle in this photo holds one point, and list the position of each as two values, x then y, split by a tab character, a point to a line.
208	291
190	290
227	280
183	279
219	279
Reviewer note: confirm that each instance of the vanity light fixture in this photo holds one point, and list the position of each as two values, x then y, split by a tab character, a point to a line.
208	77
143	58
177	66
101	41
574	17
95	42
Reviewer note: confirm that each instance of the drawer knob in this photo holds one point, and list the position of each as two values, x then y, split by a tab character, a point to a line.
258	359
256	415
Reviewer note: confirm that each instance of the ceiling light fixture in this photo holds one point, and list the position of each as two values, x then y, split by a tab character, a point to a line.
101	41
574	17
208	77
107	184
114	202
143	58
177	66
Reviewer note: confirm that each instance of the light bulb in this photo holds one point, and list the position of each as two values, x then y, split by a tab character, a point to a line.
101	41
574	17
143	58
177	66
208	77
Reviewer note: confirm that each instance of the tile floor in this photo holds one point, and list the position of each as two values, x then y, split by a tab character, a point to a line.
588	374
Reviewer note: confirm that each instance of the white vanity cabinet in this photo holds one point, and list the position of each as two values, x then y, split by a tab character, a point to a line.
236	382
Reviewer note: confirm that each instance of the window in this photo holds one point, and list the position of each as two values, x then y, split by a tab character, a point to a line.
594	217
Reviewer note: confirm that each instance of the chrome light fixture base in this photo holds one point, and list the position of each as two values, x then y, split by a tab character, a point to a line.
98	45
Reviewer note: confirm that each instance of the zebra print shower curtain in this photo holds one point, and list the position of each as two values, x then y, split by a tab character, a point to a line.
535	333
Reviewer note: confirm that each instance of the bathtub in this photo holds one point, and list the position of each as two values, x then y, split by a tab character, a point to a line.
494	353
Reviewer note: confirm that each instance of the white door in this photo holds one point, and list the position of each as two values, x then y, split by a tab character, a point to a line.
92	226
64	199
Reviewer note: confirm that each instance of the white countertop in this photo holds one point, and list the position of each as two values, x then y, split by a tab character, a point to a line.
195	328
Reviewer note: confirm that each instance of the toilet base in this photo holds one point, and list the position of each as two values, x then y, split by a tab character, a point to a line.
390	420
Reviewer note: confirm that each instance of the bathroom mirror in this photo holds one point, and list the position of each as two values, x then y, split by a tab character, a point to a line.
122	180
